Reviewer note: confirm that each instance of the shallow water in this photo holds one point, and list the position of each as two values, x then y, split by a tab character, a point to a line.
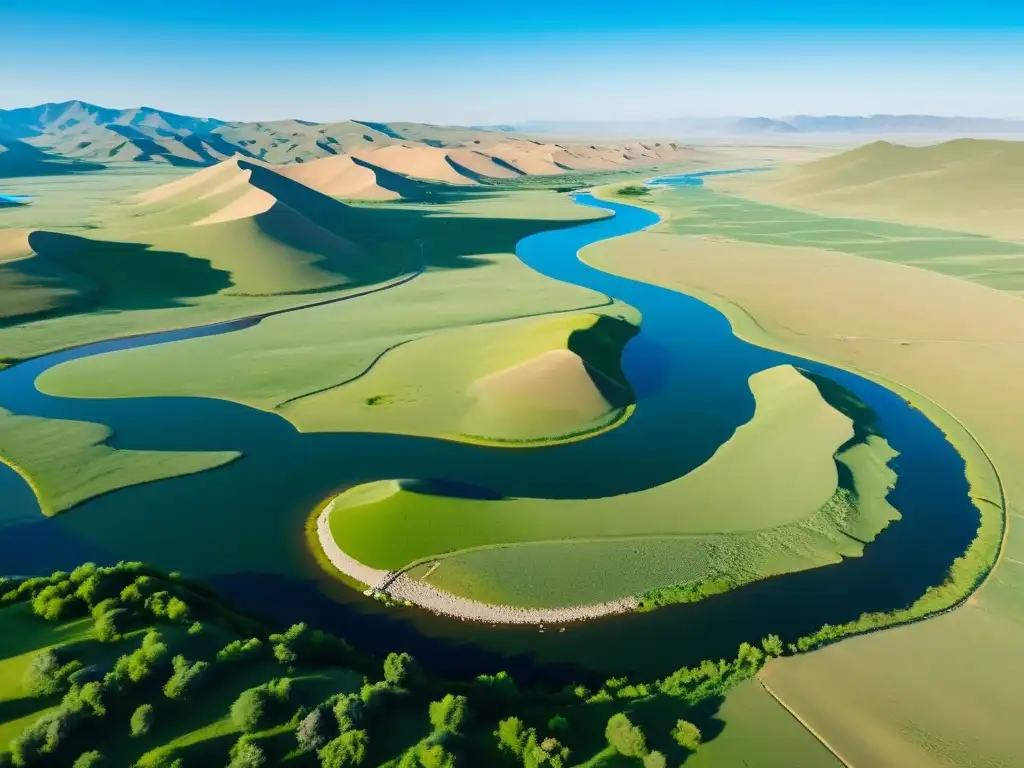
240	527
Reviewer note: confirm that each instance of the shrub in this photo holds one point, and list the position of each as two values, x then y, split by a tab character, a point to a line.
374	695
91	759
142	720
511	735
246	753
85	699
249	711
348	711
240	650
655	760
500	684
624	737
314	731
448	714
687	735
349	749
558	724
45	674
187	678
772	645
633	190
108	625
401	670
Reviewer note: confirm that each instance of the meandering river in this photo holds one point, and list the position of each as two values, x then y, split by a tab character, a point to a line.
240	527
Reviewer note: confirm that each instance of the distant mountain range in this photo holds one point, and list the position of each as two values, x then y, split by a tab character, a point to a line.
689	127
75	135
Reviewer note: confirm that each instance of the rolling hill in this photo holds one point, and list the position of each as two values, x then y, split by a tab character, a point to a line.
84	136
973	185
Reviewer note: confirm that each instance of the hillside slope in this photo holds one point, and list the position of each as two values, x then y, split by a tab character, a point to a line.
972	185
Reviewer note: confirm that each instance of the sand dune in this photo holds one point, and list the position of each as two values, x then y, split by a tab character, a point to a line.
339	176
969	184
429	163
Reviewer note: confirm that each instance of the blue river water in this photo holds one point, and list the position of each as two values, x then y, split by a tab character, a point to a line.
240	527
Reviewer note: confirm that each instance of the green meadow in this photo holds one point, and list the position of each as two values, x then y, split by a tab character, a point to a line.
706	212
69	462
751	511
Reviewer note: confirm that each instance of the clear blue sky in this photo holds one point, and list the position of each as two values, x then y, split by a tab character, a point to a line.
488	62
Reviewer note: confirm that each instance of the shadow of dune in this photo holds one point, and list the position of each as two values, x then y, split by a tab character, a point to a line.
415	190
131	275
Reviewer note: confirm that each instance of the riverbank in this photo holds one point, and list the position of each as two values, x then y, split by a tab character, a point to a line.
399	587
947	341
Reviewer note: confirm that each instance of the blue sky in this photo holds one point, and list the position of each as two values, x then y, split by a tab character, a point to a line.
488	62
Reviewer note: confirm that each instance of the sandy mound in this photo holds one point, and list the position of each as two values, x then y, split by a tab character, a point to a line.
14	244
556	380
251	203
339	176
199	183
479	162
428	163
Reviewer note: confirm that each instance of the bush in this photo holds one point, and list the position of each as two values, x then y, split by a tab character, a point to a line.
142	720
108	625
349	749
249	712
91	759
500	684
448	714
633	190
46	675
772	646
558	724
187	678
85	699
301	645
687	735
624	737
314	731
246	753
401	670
655	760
511	735
240	650
349	711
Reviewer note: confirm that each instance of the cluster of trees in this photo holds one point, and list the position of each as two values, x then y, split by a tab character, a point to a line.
176	642
633	190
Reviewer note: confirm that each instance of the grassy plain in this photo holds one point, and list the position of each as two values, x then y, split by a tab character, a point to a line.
298	363
720	521
69	462
972	185
940	692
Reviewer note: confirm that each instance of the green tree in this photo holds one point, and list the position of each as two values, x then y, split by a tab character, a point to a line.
655	760
142	720
626	738
246	753
401	670
91	759
250	709
772	646
449	714
348	750
186	680
687	735
313	731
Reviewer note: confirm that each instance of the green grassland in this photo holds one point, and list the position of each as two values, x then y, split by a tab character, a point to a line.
153	670
69	462
302	359
750	511
143	267
705	212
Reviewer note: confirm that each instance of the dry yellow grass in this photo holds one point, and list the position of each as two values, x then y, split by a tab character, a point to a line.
910	696
970	185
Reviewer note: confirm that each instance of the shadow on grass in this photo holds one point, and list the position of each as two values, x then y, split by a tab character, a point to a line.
131	275
21	159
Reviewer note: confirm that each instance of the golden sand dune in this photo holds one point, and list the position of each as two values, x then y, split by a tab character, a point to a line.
14	244
969	184
482	163
553	383
420	162
339	176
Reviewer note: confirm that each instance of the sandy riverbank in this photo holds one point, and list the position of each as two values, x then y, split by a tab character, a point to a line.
398	586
